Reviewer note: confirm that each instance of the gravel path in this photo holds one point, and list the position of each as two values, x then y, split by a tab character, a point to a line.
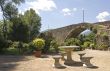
101	59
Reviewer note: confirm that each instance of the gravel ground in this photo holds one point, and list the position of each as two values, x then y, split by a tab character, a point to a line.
101	59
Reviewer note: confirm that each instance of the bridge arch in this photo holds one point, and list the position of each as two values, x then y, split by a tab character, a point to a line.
61	34
75	32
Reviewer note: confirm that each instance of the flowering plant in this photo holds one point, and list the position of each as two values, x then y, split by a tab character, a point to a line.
38	43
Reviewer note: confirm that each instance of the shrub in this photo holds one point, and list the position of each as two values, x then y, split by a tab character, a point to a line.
54	46
86	44
48	38
92	45
102	46
14	44
73	41
20	47
4	44
38	43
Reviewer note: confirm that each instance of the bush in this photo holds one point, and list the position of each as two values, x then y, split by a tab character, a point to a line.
54	46
48	38
38	43
102	46
12	51
86	44
92	45
19	47
73	41
14	44
4	44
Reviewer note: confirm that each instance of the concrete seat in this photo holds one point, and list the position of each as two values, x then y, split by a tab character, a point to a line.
57	63
62	55
86	62
81	55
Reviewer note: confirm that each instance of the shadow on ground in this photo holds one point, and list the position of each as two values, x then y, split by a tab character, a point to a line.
80	64
62	67
76	64
8	62
94	67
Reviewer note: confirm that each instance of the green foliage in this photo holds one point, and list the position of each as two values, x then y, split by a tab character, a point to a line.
33	20
102	46
19	32
4	43
92	45
73	41
81	38
15	50
19	48
9	10
48	38
54	45
18	28
94	30
90	37
15	45
11	51
104	35
86	44
38	43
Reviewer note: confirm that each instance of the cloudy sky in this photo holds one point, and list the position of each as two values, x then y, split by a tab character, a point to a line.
59	13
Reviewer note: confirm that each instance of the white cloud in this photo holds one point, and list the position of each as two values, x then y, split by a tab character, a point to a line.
74	9
66	11
102	16
41	5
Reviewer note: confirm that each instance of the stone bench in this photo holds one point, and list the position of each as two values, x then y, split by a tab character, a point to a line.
62	55
57	63
86	62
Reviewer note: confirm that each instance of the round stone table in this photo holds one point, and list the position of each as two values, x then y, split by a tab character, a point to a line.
68	50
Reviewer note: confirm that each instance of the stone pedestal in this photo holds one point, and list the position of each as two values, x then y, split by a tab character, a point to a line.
57	63
69	60
81	55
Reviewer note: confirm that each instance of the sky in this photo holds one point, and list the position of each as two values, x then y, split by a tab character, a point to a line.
60	13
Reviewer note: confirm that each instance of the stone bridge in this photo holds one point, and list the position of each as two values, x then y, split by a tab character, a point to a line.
63	33
60	34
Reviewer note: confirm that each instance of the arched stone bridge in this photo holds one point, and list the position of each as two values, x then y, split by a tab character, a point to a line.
63	33
60	34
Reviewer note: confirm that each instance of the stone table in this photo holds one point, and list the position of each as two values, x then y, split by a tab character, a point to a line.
68	50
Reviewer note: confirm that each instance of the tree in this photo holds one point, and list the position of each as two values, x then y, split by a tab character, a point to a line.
10	11
19	31
34	22
7	6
